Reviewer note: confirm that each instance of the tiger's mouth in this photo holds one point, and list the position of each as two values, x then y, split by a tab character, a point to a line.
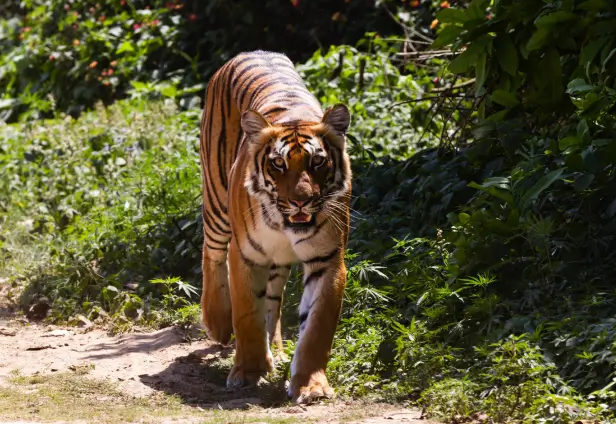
300	219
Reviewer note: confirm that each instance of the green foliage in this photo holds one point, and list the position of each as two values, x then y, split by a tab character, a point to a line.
387	119
176	307
511	382
66	55
111	200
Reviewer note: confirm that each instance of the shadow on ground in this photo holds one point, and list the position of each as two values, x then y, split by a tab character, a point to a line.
199	379
133	343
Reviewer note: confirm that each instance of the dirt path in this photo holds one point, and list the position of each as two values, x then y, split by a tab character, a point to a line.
56	374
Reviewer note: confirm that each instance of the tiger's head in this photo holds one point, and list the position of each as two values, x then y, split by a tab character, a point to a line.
298	169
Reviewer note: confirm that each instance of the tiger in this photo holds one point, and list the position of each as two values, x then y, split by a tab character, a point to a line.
276	186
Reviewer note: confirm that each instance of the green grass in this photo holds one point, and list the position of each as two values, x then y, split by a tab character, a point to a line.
77	397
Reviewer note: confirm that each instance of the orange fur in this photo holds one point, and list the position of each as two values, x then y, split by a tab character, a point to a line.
276	189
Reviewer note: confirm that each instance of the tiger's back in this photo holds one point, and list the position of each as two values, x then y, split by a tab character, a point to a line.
276	182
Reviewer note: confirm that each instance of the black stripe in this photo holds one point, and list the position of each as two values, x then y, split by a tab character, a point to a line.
222	141
277	109
259	89
268	221
239	62
248	85
248	261
280	266
324	258
276	298
215	206
215	248
235	78
261	294
213	225
264	172
303	317
316	231
209	149
253	243
314	275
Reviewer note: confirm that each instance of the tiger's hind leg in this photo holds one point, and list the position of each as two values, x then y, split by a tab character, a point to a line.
248	281
277	279
215	299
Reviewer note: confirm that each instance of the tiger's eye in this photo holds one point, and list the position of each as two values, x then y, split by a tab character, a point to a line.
317	161
278	162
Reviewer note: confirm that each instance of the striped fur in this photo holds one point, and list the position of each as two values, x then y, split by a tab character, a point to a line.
276	187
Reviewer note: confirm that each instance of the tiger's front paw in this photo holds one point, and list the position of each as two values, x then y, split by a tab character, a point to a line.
307	389
245	374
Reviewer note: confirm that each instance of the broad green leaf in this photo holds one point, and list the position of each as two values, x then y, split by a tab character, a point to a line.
543	183
565	143
594	110
480	73
552	71
169	91
7	103
138	85
538	39
501	182
477	9
126	46
594	5
579	85
447	36
549	20
497	187
505	98
464	217
467	59
583	182
589	52
507	55
583	132
115	31
452	16
601	142
498	116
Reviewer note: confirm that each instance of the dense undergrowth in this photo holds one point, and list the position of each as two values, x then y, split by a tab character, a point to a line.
481	259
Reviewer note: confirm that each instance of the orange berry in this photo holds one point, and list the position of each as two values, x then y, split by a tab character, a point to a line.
93	64
434	24
445	4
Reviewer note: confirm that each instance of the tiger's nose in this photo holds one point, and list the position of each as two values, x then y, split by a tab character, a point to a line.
297	202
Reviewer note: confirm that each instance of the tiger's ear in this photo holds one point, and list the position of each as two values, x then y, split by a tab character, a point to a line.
338	118
253	122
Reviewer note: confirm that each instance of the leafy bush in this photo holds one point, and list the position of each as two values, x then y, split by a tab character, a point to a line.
66	55
112	197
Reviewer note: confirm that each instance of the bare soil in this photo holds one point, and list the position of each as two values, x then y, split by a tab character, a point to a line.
73	375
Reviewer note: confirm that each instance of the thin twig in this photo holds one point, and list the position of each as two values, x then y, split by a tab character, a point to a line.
453	86
452	96
425	52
